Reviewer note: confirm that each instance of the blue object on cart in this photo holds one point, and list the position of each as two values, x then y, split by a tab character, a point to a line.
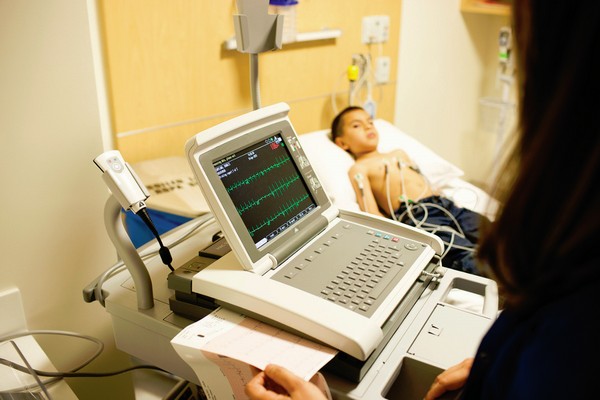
140	234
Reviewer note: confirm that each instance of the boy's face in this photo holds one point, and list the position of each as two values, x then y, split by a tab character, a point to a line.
358	134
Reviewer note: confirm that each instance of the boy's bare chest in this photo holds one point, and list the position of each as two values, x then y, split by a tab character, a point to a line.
378	167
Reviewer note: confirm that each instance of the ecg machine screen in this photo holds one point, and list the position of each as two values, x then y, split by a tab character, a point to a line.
266	188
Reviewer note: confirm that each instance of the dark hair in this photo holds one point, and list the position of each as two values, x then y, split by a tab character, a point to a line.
336	129
543	242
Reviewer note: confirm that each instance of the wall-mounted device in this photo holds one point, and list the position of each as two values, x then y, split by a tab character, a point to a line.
504	46
375	29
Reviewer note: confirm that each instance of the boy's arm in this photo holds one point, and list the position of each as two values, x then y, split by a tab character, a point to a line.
362	188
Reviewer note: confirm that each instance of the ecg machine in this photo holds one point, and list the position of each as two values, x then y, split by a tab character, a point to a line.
370	287
296	260
346	279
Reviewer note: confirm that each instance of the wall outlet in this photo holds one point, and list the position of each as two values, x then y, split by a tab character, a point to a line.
375	29
382	70
12	315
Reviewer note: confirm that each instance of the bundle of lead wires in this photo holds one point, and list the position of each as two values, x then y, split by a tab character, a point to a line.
421	223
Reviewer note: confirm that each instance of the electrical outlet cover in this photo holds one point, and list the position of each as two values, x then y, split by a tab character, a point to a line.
12	315
382	69
375	29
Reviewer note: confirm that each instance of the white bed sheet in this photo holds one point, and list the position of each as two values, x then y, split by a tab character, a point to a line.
331	164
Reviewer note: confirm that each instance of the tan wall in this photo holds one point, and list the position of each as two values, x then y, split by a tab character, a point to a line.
170	77
54	242
448	62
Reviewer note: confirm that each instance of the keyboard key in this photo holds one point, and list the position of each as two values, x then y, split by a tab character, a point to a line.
365	276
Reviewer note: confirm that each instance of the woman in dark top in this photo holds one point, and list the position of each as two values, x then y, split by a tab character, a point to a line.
543	247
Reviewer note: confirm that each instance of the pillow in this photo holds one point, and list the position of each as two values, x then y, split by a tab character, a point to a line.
331	163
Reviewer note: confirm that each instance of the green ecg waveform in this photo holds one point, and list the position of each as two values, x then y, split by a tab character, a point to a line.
279	162
282	211
274	191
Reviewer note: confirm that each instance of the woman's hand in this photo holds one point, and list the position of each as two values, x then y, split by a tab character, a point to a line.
451	379
277	383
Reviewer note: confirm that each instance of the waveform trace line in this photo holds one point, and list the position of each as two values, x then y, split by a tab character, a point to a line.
279	162
292	204
274	191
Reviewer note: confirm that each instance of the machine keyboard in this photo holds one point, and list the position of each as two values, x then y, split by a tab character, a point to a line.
361	281
353	266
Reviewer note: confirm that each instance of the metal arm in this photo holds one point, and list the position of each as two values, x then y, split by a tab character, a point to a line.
128	253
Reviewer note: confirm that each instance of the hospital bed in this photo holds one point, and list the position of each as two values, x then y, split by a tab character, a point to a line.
332	164
461	307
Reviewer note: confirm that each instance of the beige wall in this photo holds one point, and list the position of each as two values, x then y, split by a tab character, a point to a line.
53	241
447	62
169	76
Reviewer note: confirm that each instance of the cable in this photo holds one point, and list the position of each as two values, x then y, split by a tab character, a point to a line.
60	333
72	373
165	254
364	76
360	75
386	172
422	223
61	375
425	214
146	254
353	73
449	214
200	223
433	229
30	370
409	205
405	196
359	182
448	247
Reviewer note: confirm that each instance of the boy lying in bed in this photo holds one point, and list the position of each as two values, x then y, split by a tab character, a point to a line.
392	186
